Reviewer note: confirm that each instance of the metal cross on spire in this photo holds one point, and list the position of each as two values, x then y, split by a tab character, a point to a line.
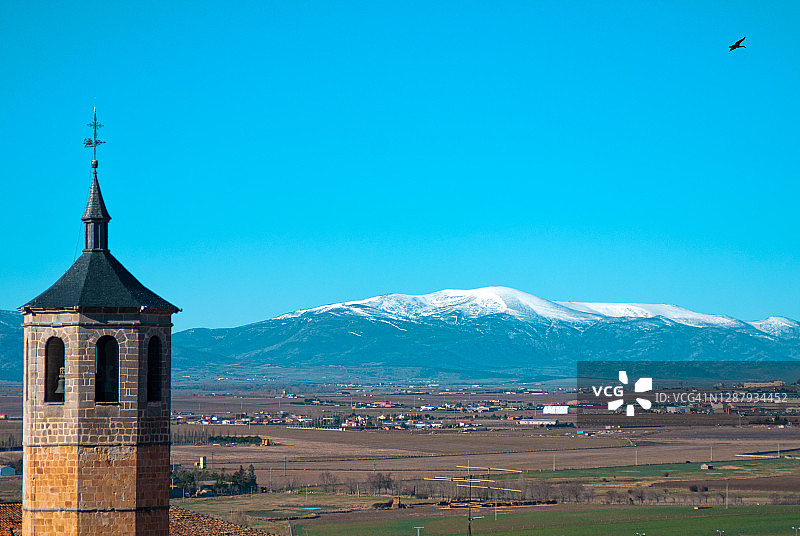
93	142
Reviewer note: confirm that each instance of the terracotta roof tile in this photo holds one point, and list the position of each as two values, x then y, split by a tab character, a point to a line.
181	523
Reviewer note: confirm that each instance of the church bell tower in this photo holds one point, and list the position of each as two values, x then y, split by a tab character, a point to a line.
96	395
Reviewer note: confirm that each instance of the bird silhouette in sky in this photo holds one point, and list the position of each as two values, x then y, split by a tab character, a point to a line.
737	44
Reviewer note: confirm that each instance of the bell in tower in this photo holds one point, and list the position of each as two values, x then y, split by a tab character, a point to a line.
96	395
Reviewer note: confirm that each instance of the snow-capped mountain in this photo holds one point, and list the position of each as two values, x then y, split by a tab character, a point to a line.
491	332
484	334
456	303
648	310
474	303
778	326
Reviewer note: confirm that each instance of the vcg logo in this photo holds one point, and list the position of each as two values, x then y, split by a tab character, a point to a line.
642	385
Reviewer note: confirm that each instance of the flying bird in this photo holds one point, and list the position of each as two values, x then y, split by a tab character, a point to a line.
737	44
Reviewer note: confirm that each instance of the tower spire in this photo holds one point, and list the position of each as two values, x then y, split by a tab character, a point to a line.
93	142
95	217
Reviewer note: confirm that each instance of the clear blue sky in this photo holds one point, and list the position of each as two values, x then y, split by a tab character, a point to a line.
269	156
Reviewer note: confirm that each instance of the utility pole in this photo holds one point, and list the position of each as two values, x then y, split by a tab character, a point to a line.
469	482
270	479
554	461
469	510
284	466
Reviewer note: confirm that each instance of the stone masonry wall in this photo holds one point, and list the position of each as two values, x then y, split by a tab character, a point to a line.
100	469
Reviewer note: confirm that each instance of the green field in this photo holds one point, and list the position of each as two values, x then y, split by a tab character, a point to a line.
628	520
743	468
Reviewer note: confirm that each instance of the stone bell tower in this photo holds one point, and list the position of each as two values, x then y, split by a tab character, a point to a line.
96	396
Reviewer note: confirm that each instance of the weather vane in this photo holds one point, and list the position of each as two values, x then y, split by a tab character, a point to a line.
93	142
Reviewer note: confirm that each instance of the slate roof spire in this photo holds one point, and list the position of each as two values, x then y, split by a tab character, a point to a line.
95	217
96	279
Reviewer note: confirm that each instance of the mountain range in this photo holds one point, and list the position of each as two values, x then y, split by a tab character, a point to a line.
485	334
11	341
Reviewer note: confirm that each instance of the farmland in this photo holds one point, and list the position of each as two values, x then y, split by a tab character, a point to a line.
322	480
610	481
663	521
305	454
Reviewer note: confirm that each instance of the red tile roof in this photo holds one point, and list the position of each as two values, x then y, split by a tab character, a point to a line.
10	519
181	523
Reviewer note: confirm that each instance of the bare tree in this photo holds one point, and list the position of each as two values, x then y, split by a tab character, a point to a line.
562	492
351	486
652	496
293	483
380	481
542	490
374	481
328	480
573	491
638	494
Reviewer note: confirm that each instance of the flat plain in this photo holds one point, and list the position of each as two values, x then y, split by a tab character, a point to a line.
629	480
305	454
607	521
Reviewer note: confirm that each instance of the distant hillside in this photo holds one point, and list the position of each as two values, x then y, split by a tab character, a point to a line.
11	341
493	334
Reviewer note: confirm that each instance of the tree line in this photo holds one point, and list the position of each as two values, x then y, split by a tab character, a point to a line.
222	483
